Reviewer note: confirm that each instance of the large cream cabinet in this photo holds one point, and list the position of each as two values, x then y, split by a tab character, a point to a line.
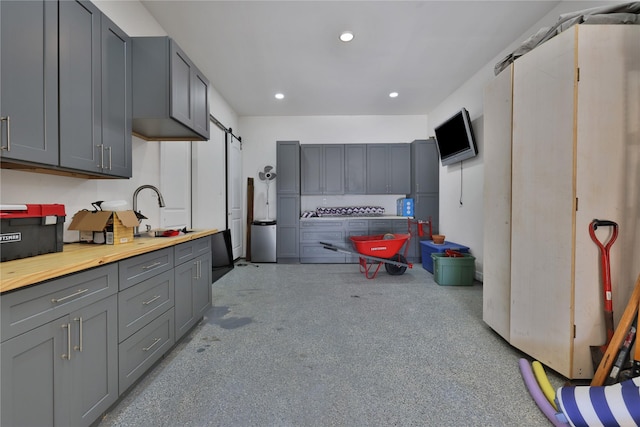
562	131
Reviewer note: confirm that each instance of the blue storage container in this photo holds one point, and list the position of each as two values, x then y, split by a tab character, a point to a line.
404	207
428	248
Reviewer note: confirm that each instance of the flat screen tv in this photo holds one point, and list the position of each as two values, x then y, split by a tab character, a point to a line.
455	140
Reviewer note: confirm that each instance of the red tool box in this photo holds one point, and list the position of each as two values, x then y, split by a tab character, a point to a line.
30	229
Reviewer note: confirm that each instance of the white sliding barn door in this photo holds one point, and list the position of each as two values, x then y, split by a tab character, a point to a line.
234	195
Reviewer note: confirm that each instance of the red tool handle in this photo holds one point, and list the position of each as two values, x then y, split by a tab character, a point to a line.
604	257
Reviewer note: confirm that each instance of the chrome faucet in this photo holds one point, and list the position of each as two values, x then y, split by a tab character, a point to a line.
135	201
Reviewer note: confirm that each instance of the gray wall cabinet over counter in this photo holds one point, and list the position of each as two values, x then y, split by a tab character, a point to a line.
322	169
170	94
388	168
72	112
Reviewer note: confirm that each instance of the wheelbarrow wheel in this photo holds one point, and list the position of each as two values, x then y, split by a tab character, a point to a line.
396	270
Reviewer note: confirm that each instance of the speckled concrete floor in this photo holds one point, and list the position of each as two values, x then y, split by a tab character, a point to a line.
320	345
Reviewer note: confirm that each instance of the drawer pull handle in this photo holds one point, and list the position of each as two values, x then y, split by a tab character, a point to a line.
151	300
67	356
8	120
75	294
79	346
156	341
155	264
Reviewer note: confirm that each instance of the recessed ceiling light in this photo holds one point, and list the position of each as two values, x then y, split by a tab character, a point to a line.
393	95
347	36
279	95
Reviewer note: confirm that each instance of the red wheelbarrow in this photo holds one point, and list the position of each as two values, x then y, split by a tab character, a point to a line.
380	249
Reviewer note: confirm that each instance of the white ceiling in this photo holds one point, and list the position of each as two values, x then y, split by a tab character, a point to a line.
423	50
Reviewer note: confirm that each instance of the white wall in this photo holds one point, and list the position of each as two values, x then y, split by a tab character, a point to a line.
259	135
78	193
463	222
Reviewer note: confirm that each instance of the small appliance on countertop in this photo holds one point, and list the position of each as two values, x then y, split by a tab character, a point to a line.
30	229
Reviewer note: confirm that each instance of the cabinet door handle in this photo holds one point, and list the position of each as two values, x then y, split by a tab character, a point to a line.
8	120
155	264
156	341
101	164
68	354
151	300
109	149
79	346
75	294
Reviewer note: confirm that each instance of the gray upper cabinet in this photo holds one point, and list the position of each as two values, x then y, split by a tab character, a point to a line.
80	86
116	99
322	169
29	81
355	173
425	173
388	169
66	88
95	92
170	94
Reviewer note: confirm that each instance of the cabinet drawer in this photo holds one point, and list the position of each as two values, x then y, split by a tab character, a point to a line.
142	349
135	270
28	308
321	236
321	224
139	304
358	224
189	250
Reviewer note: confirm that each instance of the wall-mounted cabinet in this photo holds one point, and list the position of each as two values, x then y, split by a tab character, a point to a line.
66	89
322	169
388	169
170	94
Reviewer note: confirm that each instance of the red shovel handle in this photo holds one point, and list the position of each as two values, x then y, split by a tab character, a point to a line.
604	257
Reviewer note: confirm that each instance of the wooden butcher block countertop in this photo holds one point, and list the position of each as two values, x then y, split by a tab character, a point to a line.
81	256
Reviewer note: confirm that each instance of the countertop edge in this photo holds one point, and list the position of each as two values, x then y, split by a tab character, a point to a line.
76	257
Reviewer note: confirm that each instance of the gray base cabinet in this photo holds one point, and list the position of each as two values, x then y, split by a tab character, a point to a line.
60	350
338	232
70	346
192	284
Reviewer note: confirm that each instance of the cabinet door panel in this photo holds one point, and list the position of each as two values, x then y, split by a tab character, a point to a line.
33	371
542	156
202	287
355	160
116	99
201	105
288	168
311	173
29	80
184	315
181	100
333	169
80	86
376	169
94	361
399	169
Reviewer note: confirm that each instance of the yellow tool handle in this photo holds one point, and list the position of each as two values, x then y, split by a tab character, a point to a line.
620	333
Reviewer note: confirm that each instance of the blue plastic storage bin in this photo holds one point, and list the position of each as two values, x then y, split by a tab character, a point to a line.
428	248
